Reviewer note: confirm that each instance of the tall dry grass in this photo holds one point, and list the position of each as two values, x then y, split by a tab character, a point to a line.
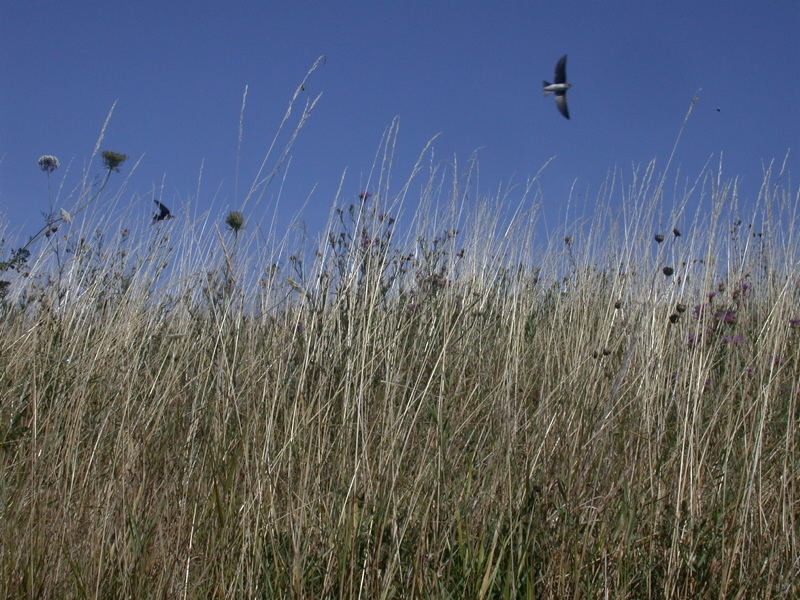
443	409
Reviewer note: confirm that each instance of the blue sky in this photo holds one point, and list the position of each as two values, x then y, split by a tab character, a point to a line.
471	71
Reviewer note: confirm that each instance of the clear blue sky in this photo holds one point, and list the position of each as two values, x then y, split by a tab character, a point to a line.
470	70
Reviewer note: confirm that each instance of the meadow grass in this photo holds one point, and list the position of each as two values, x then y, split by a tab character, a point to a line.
444	409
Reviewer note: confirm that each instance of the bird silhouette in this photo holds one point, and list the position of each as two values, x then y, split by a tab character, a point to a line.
162	214
559	86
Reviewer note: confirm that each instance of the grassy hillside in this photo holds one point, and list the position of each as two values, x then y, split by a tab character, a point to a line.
454	408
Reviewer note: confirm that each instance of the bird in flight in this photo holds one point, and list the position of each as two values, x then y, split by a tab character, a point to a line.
559	86
163	212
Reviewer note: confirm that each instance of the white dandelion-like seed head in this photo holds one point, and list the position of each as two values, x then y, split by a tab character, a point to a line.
48	163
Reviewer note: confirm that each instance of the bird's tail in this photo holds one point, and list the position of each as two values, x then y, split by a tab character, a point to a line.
545	84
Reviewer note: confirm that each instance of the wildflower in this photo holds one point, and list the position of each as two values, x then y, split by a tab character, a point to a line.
113	160
125	232
726	316
794	322
668	271
680	308
733	339
568	240
234	220
617	304
673	318
48	163
676	233
365	195
659	238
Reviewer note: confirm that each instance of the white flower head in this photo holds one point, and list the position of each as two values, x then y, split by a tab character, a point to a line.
48	163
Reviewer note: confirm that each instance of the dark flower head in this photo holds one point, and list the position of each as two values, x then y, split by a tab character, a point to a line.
668	271
676	233
234	220
48	163
659	238
113	160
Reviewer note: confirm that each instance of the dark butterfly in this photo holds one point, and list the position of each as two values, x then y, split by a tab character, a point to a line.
163	213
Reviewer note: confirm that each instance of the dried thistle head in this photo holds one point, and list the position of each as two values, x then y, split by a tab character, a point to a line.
113	160
234	220
48	163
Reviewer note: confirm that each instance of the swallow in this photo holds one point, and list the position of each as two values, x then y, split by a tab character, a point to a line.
559	86
162	214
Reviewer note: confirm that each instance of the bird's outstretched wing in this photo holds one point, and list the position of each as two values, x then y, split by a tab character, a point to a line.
561	70
561	103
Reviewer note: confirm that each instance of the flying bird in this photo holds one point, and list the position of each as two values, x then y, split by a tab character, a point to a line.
559	86
162	214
